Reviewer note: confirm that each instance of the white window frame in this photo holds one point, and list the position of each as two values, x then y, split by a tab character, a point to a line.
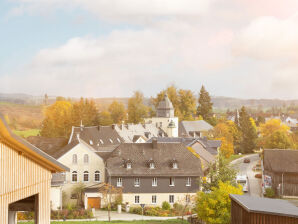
128	165
155	199
137	199
172	182
152	165
119	182
72	174
86	159
171	196
137	182
154	182
86	173
74	159
97	172
175	165
188	181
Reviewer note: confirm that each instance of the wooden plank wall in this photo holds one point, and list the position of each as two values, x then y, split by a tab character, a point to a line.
20	178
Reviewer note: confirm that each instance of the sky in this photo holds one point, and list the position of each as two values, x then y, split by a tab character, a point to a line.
111	48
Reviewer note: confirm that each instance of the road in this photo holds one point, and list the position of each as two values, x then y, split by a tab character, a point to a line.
254	184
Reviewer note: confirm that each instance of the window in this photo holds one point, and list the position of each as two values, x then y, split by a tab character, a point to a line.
74	176
153	199
172	181
128	165
97	176
74	159
137	182
86	159
171	199
175	165
137	199
74	196
91	142
118	140
86	176
101	141
111	140
188	181
151	165
154	181
119	182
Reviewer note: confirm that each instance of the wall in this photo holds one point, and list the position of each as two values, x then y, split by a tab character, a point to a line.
165	122
20	178
95	163
162	185
56	197
160	198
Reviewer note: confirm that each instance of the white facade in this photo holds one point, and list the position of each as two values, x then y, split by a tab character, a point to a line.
163	123
56	197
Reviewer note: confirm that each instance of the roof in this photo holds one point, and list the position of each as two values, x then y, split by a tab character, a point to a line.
97	136
281	160
186	127
266	205
29	150
165	103
162	154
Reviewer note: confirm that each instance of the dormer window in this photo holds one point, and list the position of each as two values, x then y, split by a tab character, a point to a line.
101	141
118	140
128	165
152	165
111	140
91	142
175	165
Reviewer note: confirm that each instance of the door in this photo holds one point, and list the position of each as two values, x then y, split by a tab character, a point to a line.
94	202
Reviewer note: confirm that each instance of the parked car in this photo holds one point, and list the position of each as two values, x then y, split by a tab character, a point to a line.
246	160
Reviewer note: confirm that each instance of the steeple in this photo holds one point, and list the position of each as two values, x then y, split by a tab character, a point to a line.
165	108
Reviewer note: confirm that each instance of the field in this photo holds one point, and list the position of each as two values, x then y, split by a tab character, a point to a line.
173	221
27	133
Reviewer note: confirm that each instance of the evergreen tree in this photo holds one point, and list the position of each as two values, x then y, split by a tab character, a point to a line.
248	131
205	105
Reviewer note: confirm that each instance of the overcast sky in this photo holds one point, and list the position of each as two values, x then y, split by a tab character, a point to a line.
110	48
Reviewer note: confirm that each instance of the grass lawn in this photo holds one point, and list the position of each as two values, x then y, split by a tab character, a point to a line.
233	157
27	133
171	221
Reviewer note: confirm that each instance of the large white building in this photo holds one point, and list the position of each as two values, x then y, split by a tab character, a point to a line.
165	118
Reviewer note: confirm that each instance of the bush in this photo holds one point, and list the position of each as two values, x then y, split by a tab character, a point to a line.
166	205
258	175
135	210
71	214
269	192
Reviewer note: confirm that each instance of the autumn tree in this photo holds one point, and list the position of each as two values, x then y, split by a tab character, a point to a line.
105	118
57	121
205	105
215	207
275	135
219	172
117	111
137	111
248	132
184	101
84	111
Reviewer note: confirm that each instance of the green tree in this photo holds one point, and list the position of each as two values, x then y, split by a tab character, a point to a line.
215	207
57	121
205	105
248	132
85	110
117	111
137	111
105	118
220	172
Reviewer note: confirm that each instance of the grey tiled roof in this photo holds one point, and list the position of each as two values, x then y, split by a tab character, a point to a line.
265	205
281	160
139	154
187	127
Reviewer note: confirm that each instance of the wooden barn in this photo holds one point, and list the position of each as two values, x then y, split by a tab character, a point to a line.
256	210
282	166
25	178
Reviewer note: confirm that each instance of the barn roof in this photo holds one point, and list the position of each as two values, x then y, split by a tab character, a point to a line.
281	160
29	150
266	205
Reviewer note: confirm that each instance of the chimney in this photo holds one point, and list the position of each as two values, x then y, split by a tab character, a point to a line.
154	143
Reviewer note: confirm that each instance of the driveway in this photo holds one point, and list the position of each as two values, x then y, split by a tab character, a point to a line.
254	184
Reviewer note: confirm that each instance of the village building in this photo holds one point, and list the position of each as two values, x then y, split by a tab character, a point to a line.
165	118
281	167
25	178
151	173
194	129
255	210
